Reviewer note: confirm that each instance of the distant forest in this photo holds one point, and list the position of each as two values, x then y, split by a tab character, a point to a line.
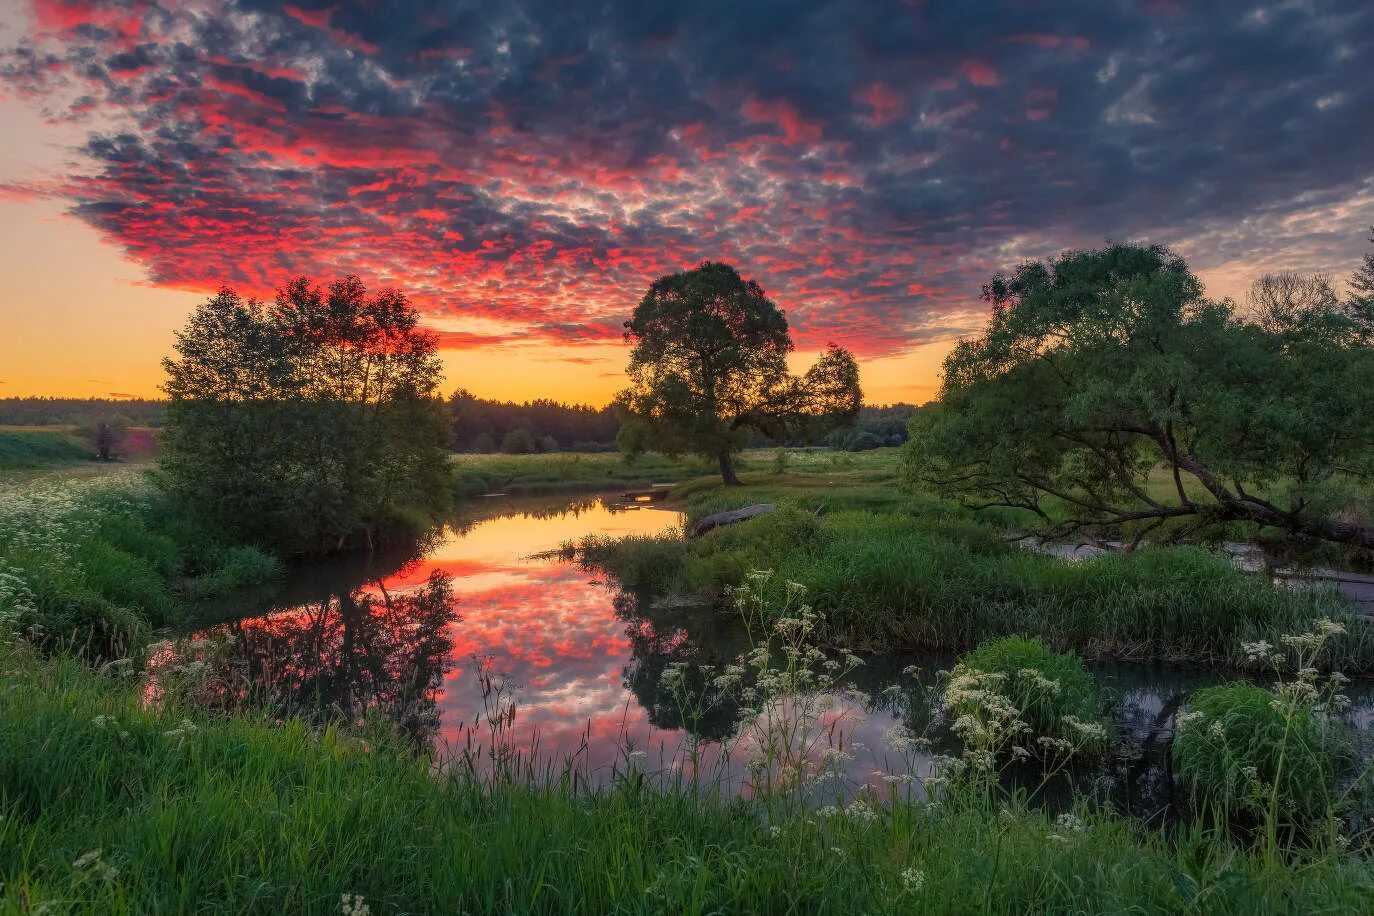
477	424
83	412
544	425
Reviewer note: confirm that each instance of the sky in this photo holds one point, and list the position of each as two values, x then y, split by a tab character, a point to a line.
523	170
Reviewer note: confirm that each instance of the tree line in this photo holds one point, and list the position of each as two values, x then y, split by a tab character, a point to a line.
483	425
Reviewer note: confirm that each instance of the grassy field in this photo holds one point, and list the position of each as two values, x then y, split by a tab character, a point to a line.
566	472
31	447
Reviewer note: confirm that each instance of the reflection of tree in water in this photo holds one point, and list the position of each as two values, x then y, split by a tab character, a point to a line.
352	653
655	643
539	508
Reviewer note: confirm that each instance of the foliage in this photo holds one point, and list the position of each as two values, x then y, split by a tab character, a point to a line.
90	566
82	412
113	805
874	427
1361	285
913	576
107	435
309	423
1099	366
1268	755
1053	693
710	363
519	441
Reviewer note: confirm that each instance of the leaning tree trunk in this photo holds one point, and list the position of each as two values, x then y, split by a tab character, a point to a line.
727	469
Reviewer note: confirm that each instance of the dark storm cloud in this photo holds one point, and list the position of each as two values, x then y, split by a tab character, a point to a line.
539	162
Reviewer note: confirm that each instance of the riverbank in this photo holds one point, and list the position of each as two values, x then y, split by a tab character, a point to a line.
894	570
110	803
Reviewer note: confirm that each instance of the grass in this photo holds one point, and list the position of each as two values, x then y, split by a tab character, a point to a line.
23	448
92	564
894	570
564	472
110	806
1047	688
1237	748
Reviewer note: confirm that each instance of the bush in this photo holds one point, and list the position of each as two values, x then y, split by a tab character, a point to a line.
519	441
1238	753
1052	692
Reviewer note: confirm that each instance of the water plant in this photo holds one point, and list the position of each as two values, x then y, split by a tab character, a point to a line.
911	577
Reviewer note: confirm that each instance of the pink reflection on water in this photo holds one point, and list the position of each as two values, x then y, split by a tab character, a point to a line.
548	628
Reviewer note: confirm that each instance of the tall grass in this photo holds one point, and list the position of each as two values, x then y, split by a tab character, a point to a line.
109	806
92	565
888	579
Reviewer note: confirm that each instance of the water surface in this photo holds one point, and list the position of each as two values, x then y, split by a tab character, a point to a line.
489	630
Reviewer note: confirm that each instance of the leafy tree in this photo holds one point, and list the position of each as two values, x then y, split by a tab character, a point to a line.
519	441
710	363
1100	367
107	434
308	423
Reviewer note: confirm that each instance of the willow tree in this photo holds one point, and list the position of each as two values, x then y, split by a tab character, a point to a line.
709	364
1106	392
309	423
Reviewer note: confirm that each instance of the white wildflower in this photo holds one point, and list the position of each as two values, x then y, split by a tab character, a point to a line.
913	879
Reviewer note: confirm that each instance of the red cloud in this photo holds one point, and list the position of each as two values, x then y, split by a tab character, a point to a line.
980	72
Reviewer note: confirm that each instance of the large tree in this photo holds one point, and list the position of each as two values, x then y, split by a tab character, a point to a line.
1107	393
309	423
710	363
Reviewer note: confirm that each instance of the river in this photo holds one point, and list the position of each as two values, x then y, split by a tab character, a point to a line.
488	640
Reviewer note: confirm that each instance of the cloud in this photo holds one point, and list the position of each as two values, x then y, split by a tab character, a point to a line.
538	164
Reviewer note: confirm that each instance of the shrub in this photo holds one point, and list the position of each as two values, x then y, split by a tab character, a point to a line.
1052	693
519	441
1239	752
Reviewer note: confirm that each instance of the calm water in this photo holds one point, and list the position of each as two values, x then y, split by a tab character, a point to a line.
478	628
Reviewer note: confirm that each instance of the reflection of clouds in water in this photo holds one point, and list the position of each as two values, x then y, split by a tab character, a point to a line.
551	631
588	659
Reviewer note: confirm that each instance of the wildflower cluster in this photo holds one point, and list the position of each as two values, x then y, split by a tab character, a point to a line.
42	527
791	695
1269	754
197	670
994	730
354	905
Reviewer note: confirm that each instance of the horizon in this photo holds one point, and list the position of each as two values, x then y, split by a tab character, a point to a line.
523	175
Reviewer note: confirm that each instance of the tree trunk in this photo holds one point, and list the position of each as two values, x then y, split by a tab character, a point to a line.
727	469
